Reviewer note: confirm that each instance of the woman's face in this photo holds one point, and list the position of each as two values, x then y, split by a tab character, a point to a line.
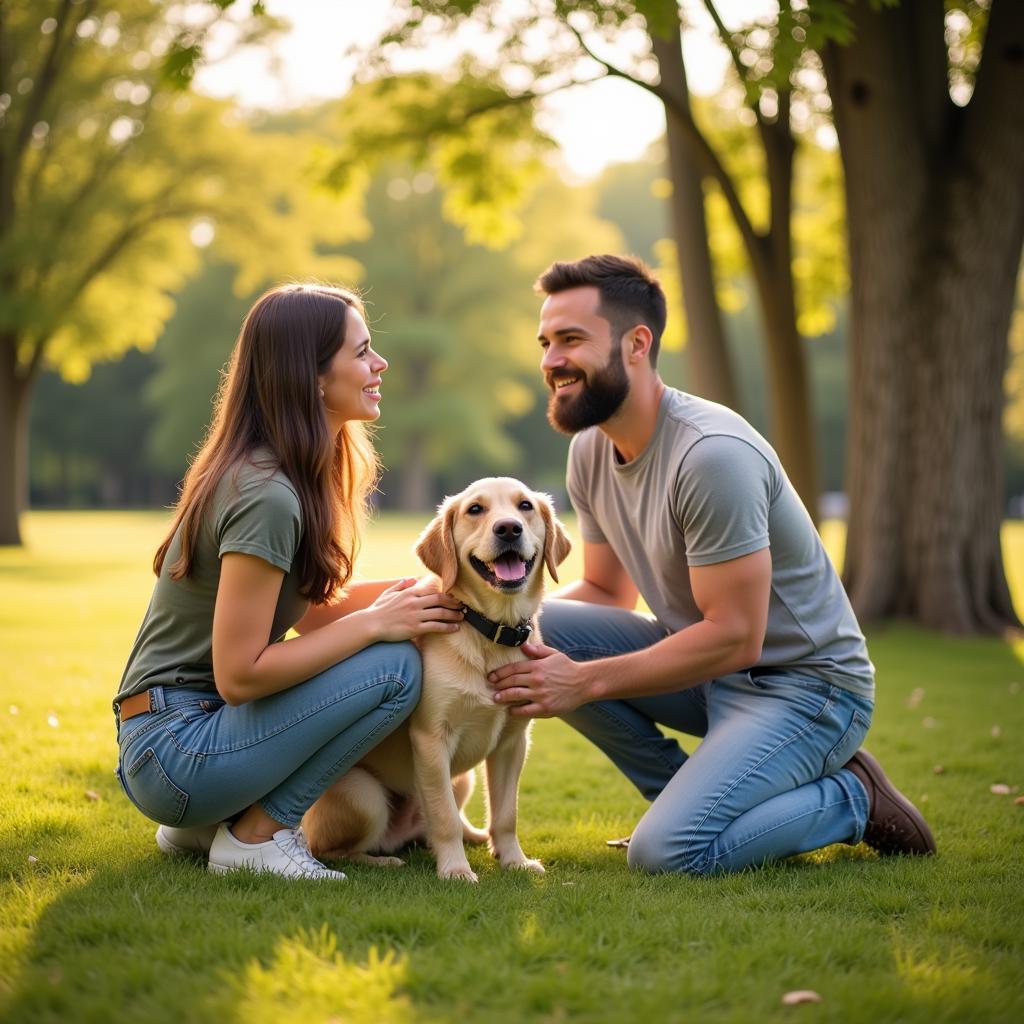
351	384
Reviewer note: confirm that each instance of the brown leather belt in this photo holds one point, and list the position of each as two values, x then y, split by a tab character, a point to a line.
132	706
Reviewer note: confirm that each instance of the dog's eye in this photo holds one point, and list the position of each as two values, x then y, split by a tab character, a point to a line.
475	509
526	506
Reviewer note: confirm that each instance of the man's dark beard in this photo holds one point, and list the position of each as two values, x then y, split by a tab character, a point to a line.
600	396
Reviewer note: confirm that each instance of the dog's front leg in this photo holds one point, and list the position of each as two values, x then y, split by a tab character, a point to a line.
432	765
504	766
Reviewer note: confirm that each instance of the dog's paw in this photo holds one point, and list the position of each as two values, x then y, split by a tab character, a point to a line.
377	861
463	871
526	864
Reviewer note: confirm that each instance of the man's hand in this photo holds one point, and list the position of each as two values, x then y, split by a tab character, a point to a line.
545	685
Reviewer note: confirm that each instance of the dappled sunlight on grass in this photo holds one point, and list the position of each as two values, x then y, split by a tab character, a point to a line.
938	976
99	926
307	979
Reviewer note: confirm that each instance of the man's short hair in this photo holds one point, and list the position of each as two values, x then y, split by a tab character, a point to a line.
630	293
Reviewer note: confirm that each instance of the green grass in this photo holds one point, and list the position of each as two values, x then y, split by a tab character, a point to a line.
96	926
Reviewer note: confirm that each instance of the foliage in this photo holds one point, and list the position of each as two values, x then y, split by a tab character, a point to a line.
89	440
97	925
121	182
189	357
457	321
483	149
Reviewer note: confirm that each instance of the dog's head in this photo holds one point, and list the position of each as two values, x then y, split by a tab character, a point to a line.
494	538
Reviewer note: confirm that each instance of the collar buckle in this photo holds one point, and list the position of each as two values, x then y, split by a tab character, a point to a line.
498	632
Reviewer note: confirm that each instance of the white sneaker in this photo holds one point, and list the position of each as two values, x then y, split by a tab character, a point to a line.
185	842
285	854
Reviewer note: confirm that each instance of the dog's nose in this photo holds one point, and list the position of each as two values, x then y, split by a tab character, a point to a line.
507	529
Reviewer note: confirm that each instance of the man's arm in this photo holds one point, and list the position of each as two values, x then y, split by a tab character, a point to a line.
733	599
605	580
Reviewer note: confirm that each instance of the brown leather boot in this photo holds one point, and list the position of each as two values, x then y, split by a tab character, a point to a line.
895	825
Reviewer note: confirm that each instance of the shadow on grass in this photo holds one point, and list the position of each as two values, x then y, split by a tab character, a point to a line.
160	939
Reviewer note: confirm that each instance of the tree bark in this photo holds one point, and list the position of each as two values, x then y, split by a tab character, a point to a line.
789	392
936	226
707	352
14	395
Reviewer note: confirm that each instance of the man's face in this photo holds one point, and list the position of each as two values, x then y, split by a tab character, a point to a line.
582	362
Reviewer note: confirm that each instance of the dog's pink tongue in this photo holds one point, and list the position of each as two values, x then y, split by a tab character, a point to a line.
509	568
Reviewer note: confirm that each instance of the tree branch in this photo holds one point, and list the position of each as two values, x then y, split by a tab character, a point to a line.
102	262
41	86
677	106
727	42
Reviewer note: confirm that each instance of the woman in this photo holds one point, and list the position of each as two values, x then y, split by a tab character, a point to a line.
219	716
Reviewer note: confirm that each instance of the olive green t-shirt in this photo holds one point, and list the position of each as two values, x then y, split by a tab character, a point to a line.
254	510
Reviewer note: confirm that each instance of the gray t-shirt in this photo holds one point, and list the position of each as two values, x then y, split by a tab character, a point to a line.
254	510
706	489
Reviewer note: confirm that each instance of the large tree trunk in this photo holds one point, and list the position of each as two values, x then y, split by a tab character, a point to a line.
707	353
936	225
14	401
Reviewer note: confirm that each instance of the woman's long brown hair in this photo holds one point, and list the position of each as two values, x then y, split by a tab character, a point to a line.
270	398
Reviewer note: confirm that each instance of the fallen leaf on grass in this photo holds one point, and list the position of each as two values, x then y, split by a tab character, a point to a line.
929	722
999	788
915	697
91	794
33	860
996	732
938	769
1019	801
801	995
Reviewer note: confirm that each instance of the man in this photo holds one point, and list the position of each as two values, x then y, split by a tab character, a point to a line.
753	646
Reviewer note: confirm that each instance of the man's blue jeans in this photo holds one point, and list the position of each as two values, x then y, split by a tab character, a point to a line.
196	760
767	779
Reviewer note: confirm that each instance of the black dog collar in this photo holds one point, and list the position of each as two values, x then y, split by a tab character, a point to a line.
498	632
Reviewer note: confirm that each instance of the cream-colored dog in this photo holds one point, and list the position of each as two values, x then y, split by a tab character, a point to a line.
488	547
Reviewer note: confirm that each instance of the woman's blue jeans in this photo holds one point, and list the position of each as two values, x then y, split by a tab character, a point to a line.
767	779
196	760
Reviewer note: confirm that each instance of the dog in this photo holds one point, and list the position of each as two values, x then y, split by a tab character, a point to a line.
488	547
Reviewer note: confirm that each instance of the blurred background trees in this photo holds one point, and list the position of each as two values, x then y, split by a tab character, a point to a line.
112	181
441	193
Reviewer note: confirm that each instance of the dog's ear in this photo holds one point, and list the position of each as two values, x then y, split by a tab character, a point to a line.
436	546
556	541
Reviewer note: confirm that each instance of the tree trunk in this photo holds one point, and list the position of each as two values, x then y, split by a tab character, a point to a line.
707	353
789	393
415	493
14	395
936	225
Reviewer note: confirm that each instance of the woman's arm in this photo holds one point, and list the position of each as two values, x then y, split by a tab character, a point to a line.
247	666
358	596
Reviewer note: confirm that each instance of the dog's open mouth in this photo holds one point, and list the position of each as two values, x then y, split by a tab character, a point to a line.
508	571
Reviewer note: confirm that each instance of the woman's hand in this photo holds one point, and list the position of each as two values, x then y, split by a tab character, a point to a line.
411	608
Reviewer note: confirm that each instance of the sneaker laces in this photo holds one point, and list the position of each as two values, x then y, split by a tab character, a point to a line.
296	846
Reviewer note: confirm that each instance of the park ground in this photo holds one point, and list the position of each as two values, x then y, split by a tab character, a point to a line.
95	925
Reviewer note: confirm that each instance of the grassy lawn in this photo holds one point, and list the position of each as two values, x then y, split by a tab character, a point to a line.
95	925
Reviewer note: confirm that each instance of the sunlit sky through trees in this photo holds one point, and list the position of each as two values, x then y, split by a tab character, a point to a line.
598	124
